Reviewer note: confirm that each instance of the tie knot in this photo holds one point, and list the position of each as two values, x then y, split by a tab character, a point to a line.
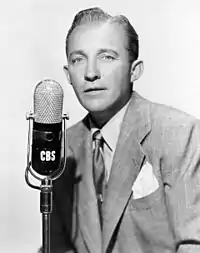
97	137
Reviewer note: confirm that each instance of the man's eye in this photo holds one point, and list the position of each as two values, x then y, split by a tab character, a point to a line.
76	60
108	57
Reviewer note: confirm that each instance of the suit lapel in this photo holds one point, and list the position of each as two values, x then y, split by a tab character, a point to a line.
87	203
126	165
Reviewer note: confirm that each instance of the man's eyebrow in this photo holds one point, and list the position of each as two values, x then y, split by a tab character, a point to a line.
107	50
80	52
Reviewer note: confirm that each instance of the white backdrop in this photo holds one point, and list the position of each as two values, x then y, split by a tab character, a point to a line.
32	48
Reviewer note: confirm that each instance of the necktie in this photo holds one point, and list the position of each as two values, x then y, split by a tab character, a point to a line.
98	170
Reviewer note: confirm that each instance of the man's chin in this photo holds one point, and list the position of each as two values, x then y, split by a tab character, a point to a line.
94	108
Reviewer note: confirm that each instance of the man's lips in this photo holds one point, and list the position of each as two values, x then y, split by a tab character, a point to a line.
94	89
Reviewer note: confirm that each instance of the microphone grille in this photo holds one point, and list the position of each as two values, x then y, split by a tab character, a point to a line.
48	102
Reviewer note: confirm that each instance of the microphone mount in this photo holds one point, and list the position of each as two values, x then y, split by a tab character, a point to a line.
46	181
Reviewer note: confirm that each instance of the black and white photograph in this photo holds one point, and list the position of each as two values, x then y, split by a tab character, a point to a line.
100	129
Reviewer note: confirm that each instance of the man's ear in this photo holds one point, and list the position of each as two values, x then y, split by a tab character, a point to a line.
137	69
65	68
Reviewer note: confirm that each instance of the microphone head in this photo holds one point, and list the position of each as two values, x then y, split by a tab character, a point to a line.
48	102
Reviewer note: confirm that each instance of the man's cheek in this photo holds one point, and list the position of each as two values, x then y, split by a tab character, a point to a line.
76	81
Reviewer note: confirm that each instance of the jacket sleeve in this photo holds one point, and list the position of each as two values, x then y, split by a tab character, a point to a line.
183	193
59	235
61	221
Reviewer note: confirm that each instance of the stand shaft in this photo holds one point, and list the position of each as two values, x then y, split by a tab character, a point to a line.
46	232
46	209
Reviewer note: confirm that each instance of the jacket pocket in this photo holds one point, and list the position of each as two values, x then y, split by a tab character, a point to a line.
150	216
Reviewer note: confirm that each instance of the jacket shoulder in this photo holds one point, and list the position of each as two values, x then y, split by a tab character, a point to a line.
74	132
172	128
168	116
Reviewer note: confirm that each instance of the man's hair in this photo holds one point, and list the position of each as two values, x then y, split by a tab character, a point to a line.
97	15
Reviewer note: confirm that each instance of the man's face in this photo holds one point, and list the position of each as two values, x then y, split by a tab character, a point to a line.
99	67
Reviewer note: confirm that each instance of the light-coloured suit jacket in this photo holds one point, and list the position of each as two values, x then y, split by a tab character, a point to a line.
155	140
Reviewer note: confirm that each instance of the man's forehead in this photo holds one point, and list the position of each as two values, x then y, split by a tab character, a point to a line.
97	34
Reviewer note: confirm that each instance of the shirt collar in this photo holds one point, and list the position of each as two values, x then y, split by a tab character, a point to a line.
110	131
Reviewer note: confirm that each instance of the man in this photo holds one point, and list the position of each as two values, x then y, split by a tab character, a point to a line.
146	197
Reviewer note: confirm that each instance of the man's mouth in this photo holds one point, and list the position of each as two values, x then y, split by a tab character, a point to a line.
94	89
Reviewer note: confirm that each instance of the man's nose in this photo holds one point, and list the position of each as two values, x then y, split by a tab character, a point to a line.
92	72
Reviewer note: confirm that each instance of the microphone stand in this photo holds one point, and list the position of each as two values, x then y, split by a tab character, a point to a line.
46	186
46	209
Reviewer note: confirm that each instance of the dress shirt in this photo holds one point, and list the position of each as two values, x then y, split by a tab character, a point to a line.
110	132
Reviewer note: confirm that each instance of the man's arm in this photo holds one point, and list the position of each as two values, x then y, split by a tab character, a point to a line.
59	239
62	214
183	191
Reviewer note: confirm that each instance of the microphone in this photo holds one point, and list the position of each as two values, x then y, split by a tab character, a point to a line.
46	150
47	127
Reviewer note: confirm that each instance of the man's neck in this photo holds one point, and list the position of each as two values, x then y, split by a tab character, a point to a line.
101	118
